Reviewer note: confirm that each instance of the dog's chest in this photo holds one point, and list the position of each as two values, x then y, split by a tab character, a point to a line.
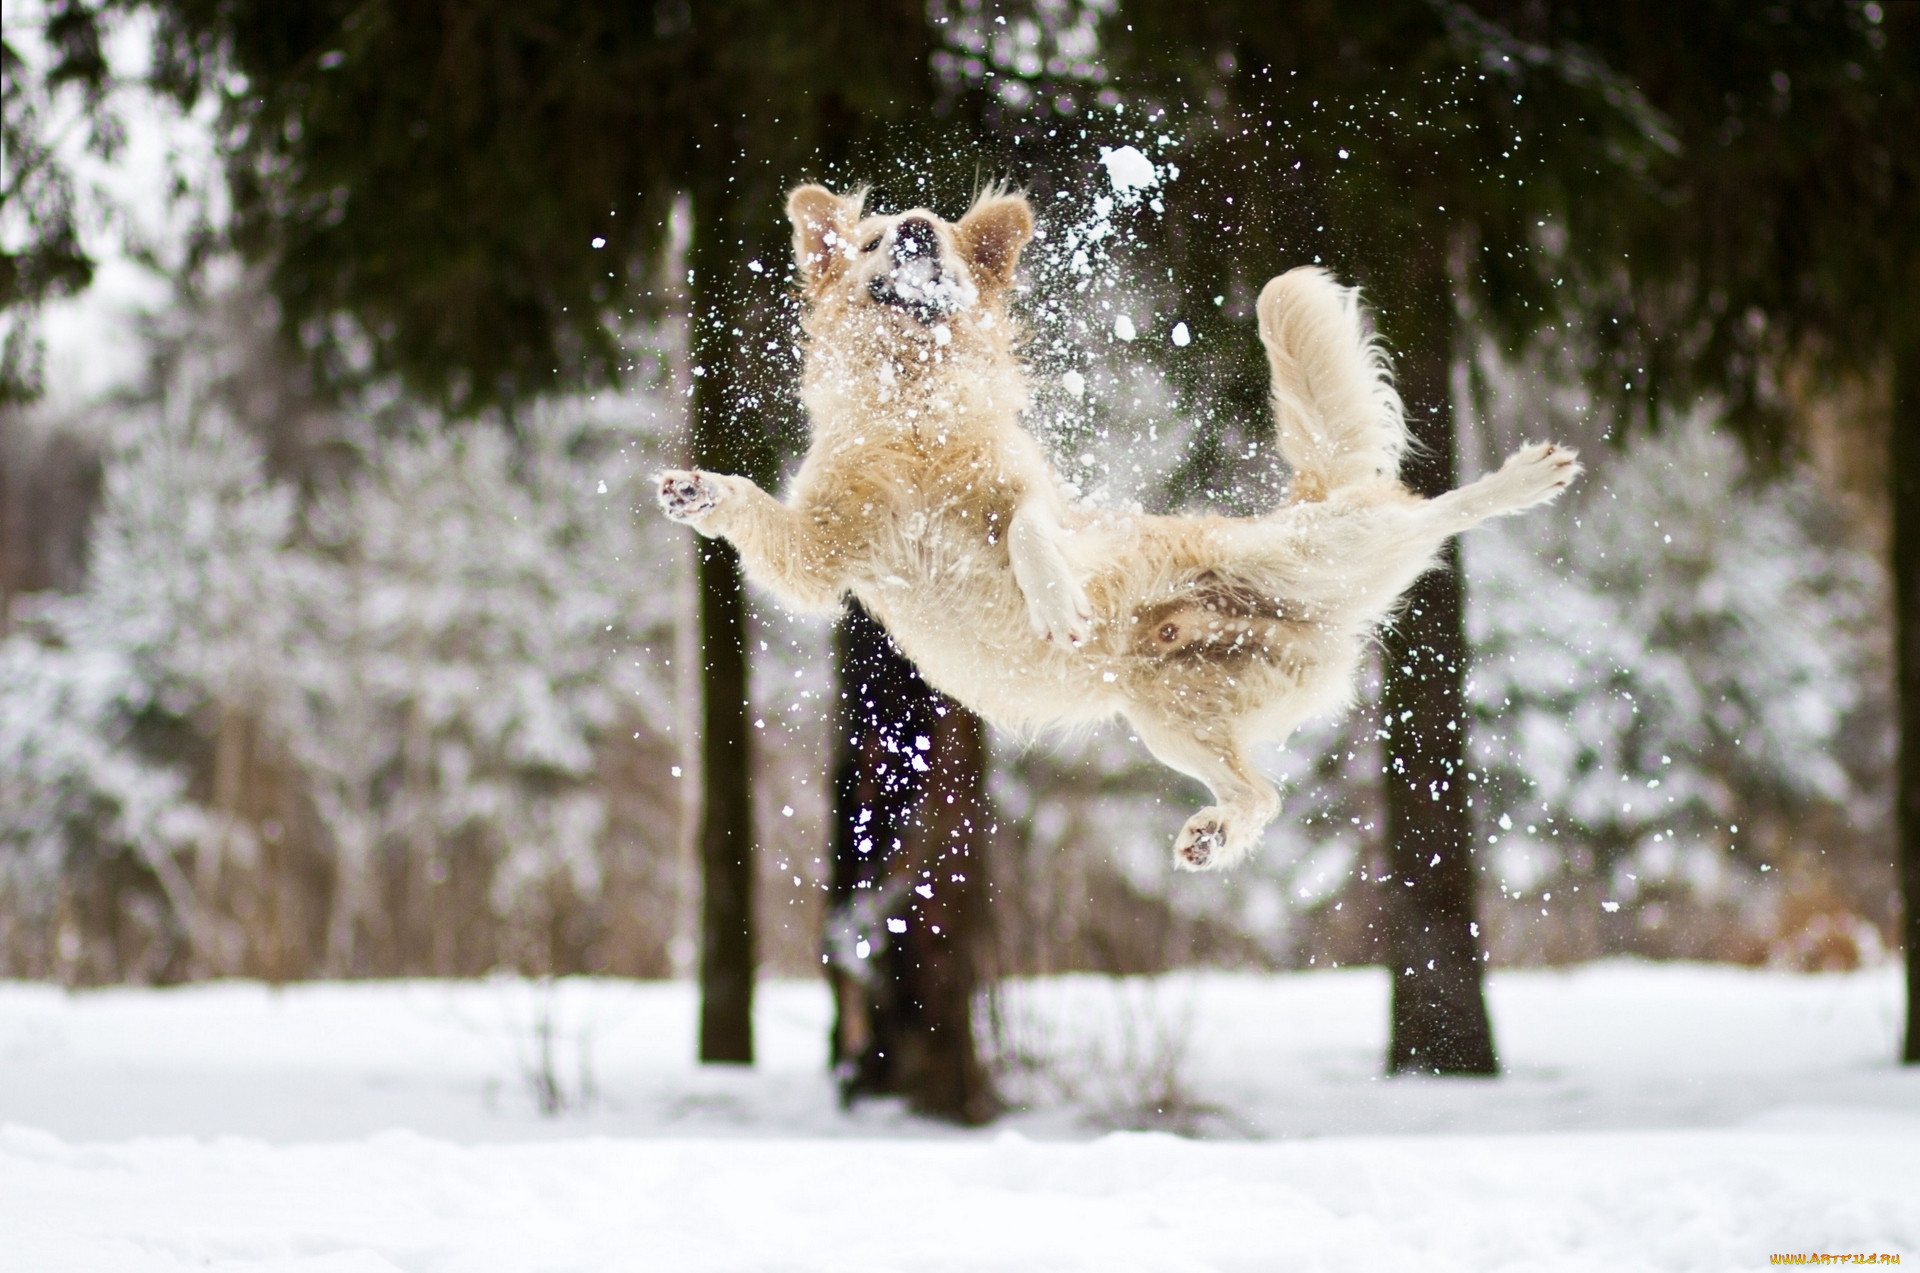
949	528
928	502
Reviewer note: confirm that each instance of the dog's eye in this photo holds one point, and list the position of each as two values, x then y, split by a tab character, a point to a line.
873	243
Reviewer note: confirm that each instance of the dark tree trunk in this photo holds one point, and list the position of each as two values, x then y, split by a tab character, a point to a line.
726	817
1440	1020
910	823
1906	656
722	443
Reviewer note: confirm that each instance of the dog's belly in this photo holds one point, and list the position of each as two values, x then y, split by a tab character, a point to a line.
1012	679
948	596
953	608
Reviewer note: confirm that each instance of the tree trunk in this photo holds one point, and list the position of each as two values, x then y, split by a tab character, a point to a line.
1440	1020
910	825
1906	656
726	797
726	814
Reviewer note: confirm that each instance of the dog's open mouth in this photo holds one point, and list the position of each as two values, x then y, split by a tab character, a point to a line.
919	283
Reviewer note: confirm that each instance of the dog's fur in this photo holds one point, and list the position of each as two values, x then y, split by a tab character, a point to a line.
923	497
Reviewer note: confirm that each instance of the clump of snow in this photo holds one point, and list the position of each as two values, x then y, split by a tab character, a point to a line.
1129	171
919	280
1087	294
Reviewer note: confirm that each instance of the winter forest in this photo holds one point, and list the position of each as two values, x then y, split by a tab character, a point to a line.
385	784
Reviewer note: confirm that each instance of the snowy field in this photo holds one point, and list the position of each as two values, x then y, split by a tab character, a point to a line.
1651	1117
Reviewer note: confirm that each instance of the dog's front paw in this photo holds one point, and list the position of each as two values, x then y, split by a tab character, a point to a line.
1061	615
687	496
1540	471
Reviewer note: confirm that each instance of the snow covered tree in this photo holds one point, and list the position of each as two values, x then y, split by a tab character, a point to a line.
476	197
1672	674
462	660
1780	242
429	659
54	77
92	833
183	619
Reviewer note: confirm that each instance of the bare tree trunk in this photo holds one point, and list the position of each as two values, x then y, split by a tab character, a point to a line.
939	954
1906	656
344	798
1440	1022
12	533
726	815
910	823
726	805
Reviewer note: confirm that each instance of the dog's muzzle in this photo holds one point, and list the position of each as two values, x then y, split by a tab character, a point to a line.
918	282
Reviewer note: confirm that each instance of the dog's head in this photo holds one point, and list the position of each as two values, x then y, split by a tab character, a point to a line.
912	270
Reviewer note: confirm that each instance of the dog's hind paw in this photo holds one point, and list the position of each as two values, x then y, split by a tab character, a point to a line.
1539	472
1202	843
687	496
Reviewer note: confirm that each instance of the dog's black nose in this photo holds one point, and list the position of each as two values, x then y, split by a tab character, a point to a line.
913	238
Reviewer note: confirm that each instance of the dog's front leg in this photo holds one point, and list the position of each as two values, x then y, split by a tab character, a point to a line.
1056	603
782	548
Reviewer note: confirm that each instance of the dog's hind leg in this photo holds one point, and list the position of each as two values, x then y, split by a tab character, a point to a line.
1532	475
1222	833
1354	562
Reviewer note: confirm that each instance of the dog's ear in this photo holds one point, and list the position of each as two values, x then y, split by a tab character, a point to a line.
822	225
992	234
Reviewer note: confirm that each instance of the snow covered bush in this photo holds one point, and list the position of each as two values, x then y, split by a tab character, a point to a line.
443	660
184	610
80	805
493	615
1674	678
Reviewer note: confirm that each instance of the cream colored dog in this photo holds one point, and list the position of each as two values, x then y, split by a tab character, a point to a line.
924	497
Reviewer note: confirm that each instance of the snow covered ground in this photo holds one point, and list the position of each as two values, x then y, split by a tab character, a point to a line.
1656	1117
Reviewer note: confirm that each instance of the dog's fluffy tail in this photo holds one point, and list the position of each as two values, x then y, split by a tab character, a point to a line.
1340	419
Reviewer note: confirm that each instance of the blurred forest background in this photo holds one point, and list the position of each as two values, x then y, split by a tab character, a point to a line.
339	641
290	694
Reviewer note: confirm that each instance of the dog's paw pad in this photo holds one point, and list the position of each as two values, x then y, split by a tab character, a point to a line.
686	496
1542	469
1202	842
